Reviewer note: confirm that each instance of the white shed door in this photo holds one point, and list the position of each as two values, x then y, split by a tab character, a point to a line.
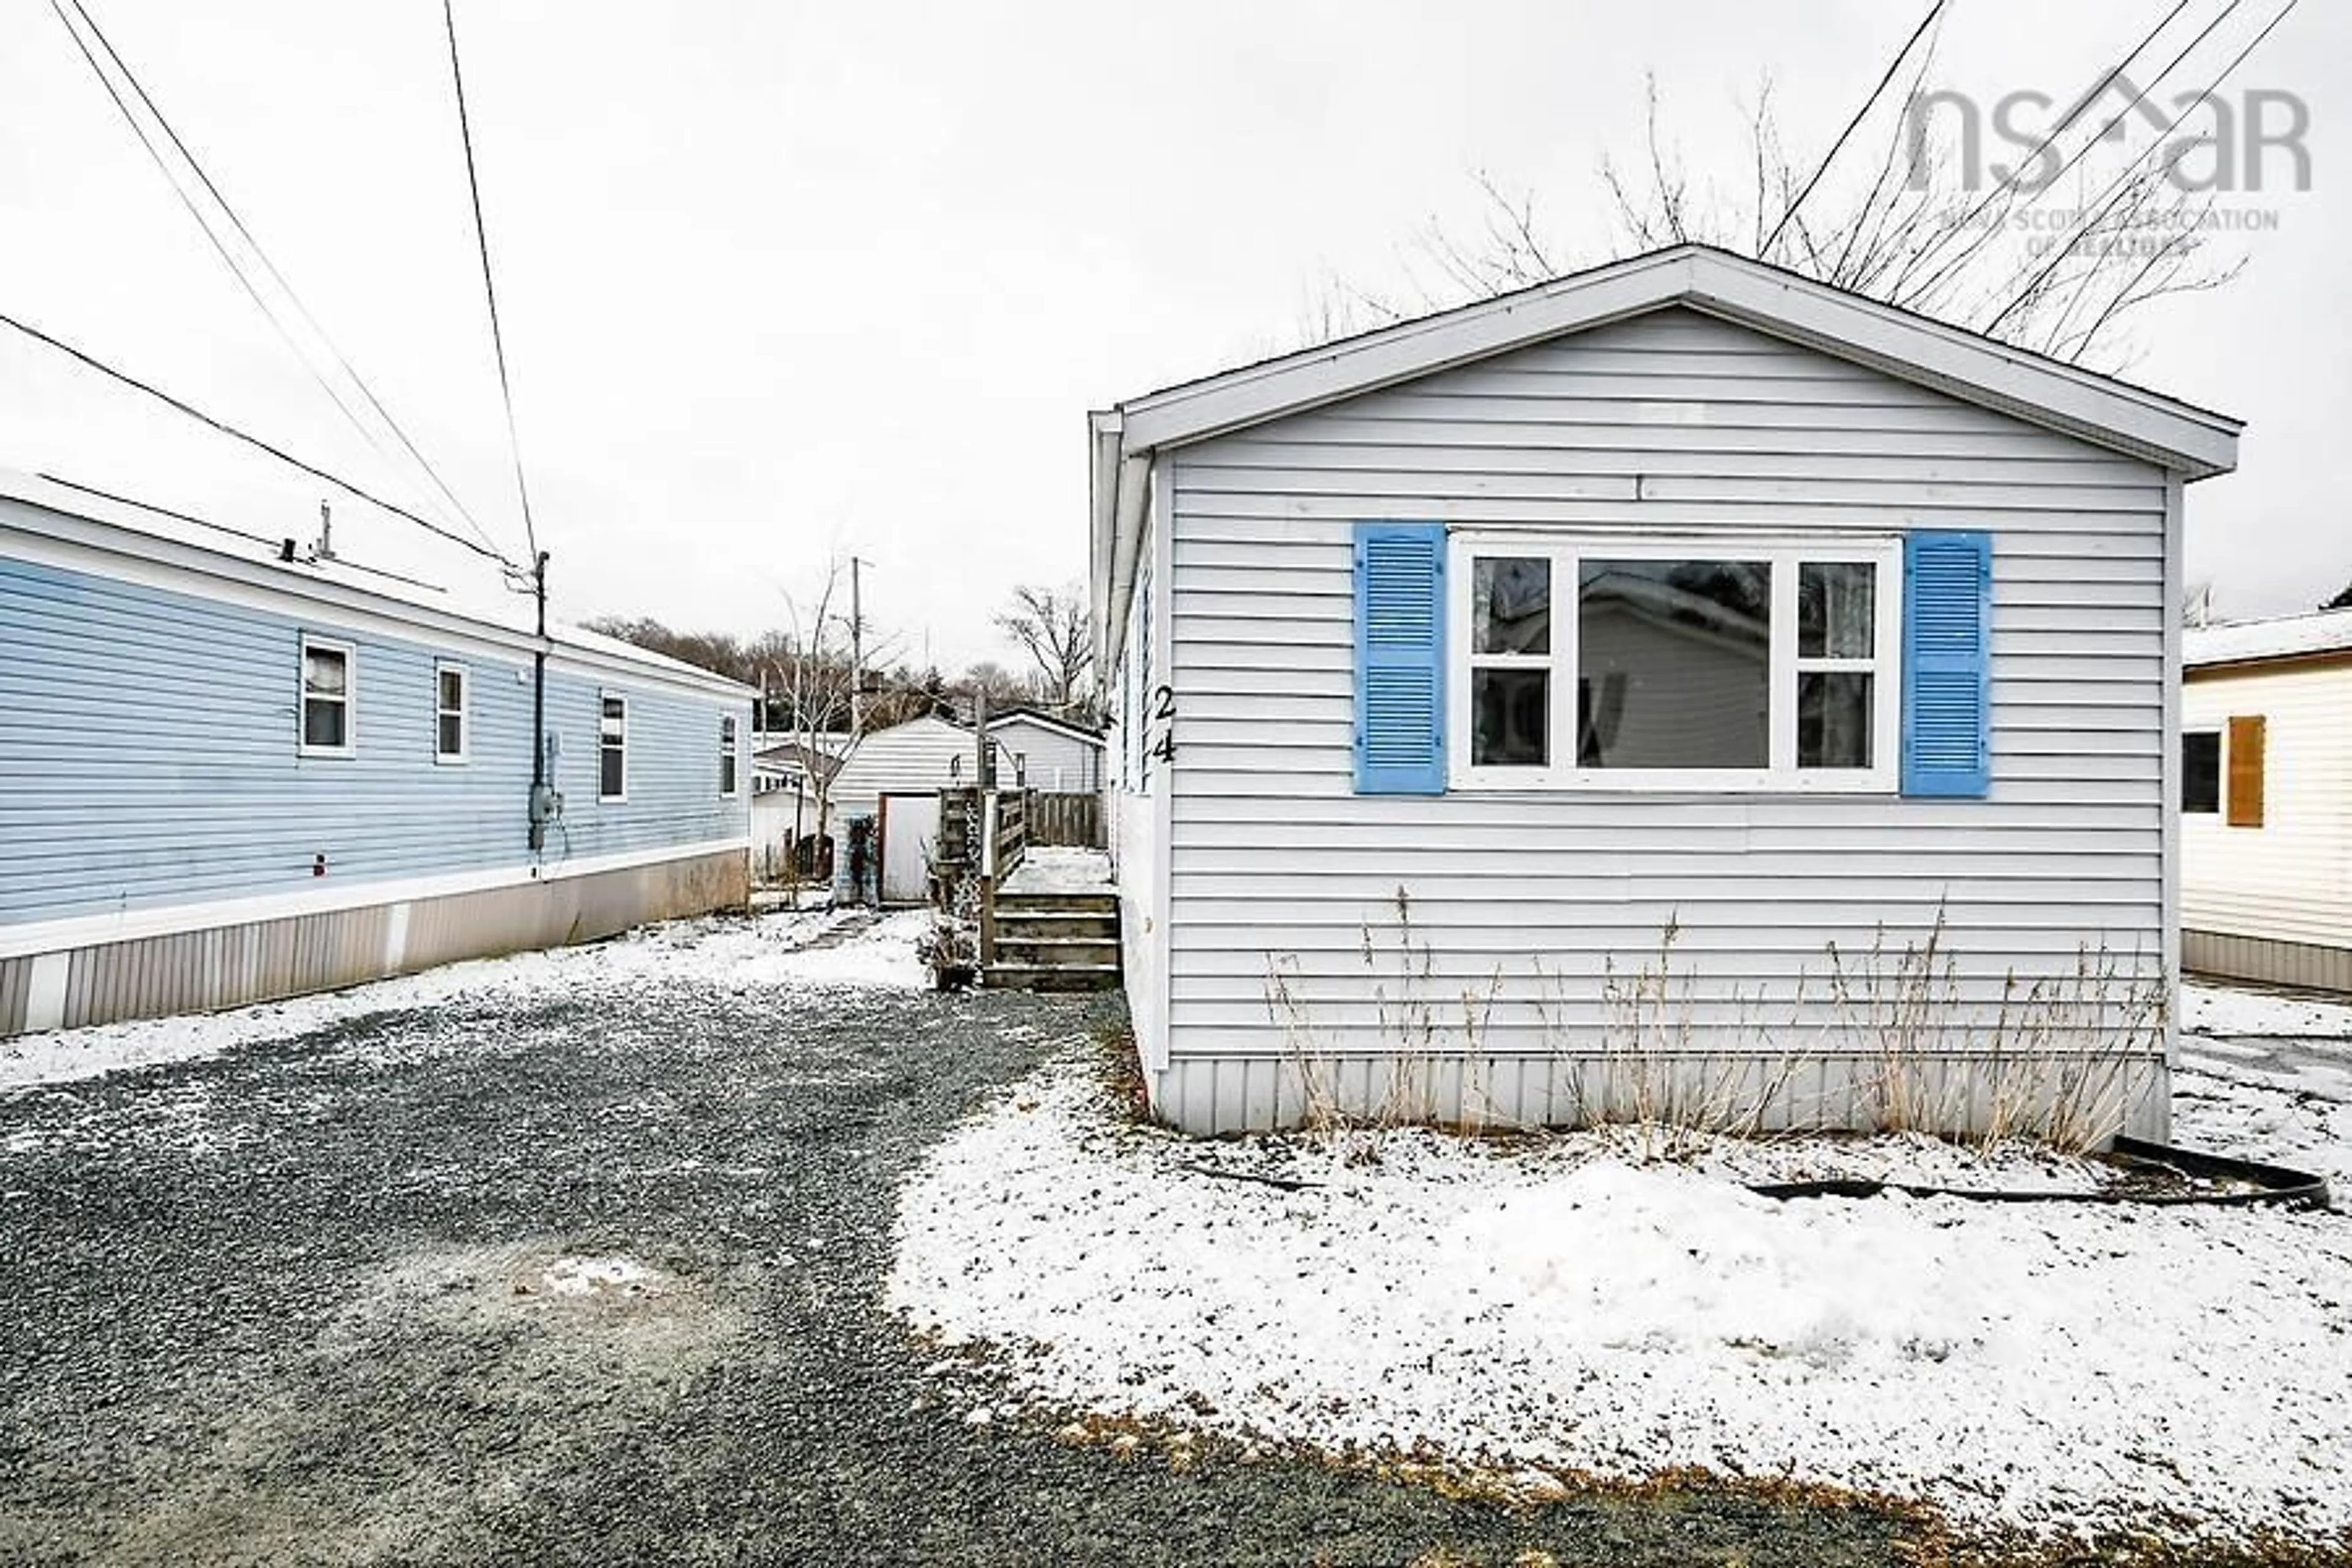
909	823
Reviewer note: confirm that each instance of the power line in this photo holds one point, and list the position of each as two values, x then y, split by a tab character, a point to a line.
2115	189
1985	237
254	441
489	288
236	267
1851	125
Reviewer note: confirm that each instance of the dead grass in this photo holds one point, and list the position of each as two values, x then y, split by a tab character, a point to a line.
2057	1062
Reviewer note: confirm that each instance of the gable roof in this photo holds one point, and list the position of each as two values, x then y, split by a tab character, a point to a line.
2278	637
2194	443
1044	721
214	560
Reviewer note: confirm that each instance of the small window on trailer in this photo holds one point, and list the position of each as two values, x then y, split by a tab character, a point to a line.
452	712
612	748
326	700
728	765
2200	771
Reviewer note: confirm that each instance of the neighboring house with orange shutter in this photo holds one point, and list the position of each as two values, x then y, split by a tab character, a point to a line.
1460	667
2266	800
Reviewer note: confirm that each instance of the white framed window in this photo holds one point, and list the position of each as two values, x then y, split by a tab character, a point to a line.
1693	662
328	698
453	691
612	748
729	757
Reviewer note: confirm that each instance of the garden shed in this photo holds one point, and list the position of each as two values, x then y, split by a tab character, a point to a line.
1682	683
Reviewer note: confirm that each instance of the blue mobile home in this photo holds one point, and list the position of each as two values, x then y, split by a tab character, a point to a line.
225	776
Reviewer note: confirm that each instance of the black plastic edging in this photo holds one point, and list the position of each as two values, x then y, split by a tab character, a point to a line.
2270	1184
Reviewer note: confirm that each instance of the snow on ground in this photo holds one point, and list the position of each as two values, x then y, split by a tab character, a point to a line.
2240	1011
1059	869
2053	1366
779	949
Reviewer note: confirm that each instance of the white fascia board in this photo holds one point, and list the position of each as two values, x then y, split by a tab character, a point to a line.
74	541
1130	485
1044	722
2188	440
1404	352
1103	428
2191	441
136	925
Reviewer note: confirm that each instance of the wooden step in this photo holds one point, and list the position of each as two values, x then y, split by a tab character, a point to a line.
1019	925
1051	977
1060	951
1057	903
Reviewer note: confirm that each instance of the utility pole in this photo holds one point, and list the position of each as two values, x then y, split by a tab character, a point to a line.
857	650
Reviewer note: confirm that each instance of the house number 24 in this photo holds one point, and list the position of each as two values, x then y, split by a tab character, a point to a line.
1163	720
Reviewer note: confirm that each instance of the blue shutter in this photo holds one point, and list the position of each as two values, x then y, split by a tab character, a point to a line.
1400	659
1946	664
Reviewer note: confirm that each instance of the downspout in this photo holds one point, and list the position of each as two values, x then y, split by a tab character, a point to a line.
545	805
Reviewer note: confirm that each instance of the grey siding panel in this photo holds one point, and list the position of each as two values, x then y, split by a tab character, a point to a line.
1543	902
2124	1093
16	977
260	960
2229	957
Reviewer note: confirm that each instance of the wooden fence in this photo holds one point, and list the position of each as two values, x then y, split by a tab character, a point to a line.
1066	818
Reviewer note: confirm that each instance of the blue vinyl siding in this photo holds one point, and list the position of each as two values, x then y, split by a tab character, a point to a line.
148	756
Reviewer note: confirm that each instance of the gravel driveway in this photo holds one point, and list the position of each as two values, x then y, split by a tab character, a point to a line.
586	1268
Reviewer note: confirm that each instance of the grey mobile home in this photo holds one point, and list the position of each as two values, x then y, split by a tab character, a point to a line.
1683	672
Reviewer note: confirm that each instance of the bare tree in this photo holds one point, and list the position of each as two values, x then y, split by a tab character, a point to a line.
1051	626
815	677
2055	255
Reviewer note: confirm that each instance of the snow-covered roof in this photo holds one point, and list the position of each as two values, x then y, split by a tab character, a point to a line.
1044	721
2281	636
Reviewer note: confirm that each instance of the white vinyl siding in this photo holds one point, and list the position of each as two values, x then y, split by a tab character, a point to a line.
2291	879
1678	422
1054	759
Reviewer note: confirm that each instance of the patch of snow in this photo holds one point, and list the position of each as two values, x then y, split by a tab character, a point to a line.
2258	1120
2051	1366
2232	1010
1060	869
732	953
589	1277
2278	636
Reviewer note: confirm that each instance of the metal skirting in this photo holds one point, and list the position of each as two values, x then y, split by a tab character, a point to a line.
1950	1094
261	960
2264	959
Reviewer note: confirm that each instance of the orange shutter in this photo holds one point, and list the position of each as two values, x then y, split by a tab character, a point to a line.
2245	759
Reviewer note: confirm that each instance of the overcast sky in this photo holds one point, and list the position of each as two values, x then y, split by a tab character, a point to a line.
782	281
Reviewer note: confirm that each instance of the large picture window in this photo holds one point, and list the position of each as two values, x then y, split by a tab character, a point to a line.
1691	663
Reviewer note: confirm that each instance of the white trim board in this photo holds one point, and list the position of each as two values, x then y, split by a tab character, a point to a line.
136	925
1126	441
2192	441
